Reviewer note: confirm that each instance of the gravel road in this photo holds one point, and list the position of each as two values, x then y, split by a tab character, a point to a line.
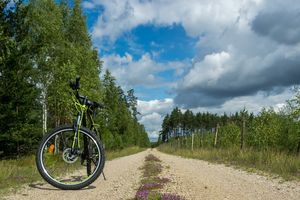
122	176
196	179
193	179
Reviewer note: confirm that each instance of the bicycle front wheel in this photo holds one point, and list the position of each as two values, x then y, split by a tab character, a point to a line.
69	160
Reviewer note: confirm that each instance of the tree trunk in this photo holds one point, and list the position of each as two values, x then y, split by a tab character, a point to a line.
298	149
45	110
56	145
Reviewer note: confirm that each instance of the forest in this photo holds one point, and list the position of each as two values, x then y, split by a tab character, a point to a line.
268	130
43	45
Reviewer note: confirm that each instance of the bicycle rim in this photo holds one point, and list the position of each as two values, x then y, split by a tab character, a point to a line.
65	163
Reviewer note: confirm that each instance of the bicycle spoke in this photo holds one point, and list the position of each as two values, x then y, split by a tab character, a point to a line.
68	165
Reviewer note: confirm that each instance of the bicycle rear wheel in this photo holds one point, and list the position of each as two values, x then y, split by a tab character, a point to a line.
68	166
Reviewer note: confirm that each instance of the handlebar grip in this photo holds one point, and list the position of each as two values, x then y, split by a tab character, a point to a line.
77	82
76	85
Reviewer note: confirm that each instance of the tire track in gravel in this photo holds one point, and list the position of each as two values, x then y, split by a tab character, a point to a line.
123	179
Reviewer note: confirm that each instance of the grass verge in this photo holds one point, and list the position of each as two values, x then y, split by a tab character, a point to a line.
17	172
123	152
274	163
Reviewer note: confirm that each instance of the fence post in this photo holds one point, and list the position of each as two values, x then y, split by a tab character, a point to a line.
216	135
202	139
243	133
192	141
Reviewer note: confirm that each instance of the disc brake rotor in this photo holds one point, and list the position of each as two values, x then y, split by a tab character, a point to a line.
68	156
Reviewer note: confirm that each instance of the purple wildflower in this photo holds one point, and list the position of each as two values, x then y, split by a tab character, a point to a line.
170	196
142	195
150	186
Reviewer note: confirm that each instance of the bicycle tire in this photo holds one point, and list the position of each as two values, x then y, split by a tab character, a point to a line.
45	175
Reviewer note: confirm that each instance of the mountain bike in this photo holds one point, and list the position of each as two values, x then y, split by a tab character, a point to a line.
72	156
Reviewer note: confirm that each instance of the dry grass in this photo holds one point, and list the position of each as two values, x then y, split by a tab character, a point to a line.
17	172
274	163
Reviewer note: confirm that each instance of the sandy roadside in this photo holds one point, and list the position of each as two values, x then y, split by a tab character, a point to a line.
122	182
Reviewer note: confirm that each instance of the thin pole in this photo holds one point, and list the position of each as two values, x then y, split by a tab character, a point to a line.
192	141
243	133
216	135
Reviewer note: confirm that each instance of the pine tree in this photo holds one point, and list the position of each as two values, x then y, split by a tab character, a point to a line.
132	103
19	108
84	57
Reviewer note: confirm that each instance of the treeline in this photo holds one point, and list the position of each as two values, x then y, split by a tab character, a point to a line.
43	45
268	130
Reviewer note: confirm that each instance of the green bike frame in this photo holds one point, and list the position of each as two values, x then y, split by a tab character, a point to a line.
82	110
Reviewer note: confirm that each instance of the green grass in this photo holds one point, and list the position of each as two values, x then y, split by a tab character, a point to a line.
124	152
17	172
274	163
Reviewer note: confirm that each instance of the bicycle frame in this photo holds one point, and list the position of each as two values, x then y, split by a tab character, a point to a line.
82	114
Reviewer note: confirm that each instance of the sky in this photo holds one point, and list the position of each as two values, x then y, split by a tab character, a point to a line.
204	55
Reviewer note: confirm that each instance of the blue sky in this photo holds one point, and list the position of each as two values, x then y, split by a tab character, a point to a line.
203	55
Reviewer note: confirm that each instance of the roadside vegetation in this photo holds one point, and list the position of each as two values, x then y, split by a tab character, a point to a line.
267	141
273	163
112	154
17	172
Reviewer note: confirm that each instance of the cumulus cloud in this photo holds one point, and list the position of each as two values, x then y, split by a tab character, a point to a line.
152	120
158	106
244	46
222	76
142	72
152	114
279	20
248	52
122	16
257	53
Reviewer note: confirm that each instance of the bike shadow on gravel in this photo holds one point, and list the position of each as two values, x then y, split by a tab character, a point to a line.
45	186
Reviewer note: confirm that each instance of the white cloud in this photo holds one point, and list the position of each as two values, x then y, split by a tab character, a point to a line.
122	16
218	77
88	5
152	114
142	72
158	106
152	120
207	71
248	52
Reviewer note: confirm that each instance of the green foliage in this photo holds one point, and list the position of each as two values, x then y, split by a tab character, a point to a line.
268	130
265	130
19	108
43	45
229	135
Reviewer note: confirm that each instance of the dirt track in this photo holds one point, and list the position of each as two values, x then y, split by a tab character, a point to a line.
193	179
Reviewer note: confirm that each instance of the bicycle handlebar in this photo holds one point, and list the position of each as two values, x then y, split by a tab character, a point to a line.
76	86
